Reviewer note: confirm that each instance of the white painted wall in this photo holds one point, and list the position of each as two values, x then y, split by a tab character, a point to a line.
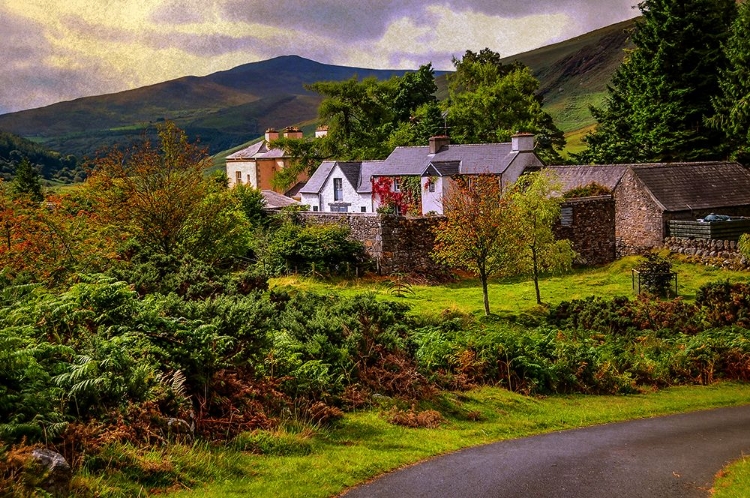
312	200
246	168
350	196
433	201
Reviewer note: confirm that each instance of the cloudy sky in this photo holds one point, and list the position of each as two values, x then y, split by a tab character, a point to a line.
53	50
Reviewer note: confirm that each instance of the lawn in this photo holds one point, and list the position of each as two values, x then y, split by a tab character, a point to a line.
516	296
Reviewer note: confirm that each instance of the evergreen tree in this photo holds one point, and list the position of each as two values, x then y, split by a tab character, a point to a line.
661	94
732	105
26	182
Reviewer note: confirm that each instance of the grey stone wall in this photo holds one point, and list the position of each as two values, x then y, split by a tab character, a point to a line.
590	228
639	224
722	253
396	244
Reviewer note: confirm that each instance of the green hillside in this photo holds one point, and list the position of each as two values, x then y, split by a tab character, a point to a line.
233	107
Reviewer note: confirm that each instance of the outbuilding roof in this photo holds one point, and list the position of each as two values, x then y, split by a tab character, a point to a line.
699	185
607	175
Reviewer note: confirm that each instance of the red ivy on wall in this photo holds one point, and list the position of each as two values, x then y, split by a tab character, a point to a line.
401	202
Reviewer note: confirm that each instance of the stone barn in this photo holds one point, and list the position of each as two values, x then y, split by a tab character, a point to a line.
648	196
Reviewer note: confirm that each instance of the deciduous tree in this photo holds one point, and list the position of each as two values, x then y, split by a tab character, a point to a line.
477	233
537	209
490	101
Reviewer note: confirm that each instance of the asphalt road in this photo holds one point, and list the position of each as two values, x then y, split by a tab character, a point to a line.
663	457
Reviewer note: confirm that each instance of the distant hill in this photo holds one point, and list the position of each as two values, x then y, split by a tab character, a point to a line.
224	109
51	165
229	108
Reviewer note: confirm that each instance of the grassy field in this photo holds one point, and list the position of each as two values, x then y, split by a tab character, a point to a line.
302	459
734	480
516	296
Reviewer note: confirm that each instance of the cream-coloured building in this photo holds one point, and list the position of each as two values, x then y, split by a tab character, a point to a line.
257	164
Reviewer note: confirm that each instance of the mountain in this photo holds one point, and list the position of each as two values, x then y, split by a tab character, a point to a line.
231	107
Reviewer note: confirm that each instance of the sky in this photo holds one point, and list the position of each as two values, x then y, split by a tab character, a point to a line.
54	50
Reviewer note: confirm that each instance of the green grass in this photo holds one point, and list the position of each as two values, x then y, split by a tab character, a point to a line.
734	480
364	445
516	296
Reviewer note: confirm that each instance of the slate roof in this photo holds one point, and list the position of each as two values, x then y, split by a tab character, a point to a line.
318	179
571	177
689	186
357	173
256	151
442	168
275	200
473	158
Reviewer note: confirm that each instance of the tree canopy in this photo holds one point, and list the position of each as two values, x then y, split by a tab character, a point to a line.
490	101
732	104
661	94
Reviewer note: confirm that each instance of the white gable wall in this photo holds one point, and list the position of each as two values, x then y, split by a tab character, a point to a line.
350	196
432	202
247	171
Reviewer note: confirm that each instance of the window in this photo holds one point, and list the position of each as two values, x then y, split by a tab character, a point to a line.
396	186
339	208
566	216
430	186
363	209
315	208
248	179
338	190
238	177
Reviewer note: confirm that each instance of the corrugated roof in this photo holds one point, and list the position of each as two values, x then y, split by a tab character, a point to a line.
274	200
688	186
571	177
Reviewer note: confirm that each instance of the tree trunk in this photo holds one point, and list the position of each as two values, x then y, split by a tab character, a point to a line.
536	275
483	278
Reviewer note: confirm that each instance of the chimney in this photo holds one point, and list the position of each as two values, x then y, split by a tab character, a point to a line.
271	135
321	131
522	142
292	132
438	142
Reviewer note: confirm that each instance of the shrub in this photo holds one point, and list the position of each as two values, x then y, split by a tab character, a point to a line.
655	274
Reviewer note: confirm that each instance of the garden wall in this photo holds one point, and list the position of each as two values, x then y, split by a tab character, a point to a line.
589	224
722	253
396	244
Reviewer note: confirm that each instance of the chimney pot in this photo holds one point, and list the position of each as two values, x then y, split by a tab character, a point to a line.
522	142
438	142
271	134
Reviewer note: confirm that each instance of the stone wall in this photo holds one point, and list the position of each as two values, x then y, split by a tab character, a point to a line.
722	253
589	224
639	224
396	244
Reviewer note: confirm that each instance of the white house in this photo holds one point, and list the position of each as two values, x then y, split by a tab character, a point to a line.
348	186
340	187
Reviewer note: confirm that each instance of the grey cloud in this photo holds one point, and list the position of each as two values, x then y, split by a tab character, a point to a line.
27	82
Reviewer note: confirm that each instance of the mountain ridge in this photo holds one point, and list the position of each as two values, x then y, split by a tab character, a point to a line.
233	106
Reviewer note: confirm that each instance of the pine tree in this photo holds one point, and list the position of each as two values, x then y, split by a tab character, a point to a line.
732	105
661	94
26	182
